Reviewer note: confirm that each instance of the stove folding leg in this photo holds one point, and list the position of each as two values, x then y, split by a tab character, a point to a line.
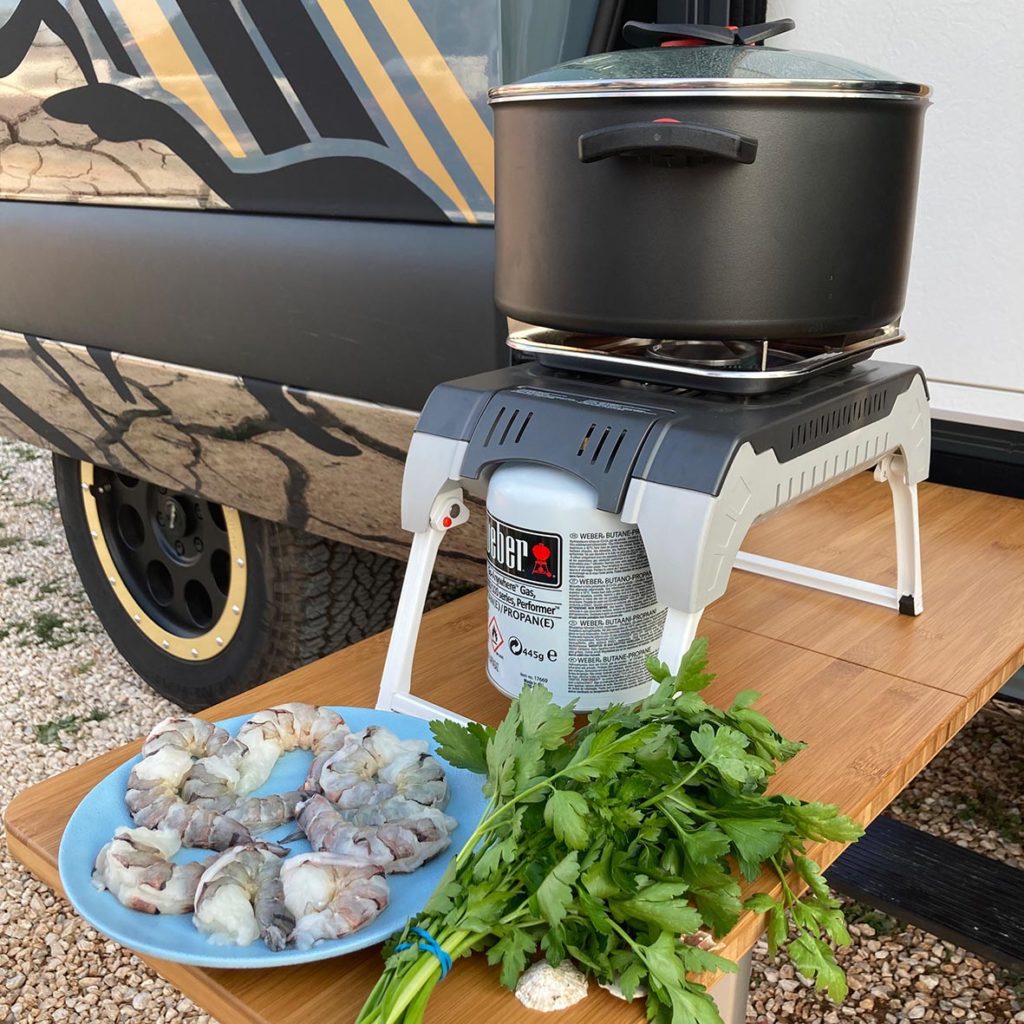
679	633
907	596
909	585
731	992
395	692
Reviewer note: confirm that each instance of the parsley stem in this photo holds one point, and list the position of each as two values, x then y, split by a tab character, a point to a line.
517	913
788	896
420	973
675	785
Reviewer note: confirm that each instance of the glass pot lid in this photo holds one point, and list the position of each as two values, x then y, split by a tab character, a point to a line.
711	68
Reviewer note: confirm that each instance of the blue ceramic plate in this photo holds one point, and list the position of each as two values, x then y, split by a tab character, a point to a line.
174	937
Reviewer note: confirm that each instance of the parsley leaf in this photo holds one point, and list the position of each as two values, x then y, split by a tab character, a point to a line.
566	813
813	959
511	950
705	845
543	720
754	841
555	893
463	745
822	823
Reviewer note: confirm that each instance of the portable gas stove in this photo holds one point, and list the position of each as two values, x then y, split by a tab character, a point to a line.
692	442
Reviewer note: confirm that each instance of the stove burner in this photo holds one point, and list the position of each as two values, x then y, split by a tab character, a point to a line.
714	355
726	367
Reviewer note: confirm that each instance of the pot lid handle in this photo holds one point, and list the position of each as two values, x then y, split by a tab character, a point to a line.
751	34
646	33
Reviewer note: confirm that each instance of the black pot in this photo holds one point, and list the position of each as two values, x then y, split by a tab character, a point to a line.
718	191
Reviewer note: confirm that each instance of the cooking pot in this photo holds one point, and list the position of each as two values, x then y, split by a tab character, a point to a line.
714	190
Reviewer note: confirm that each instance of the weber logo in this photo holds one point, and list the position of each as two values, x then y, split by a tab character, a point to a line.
531	557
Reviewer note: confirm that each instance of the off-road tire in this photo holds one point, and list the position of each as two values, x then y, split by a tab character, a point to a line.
305	597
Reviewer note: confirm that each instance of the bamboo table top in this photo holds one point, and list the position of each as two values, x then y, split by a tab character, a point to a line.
876	695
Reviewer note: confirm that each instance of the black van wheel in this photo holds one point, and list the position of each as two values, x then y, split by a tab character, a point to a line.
205	602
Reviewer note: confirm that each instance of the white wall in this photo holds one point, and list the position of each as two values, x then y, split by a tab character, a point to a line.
965	312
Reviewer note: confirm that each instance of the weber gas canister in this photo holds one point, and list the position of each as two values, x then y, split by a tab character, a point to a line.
571	601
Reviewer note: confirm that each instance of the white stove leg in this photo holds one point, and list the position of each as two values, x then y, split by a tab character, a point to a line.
909	583
395	692
731	992
680	632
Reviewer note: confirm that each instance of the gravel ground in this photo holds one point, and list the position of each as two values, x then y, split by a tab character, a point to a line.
55	968
969	795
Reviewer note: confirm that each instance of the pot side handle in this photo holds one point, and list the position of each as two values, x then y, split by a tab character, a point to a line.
667	142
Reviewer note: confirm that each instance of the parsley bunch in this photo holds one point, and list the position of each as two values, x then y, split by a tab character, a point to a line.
611	843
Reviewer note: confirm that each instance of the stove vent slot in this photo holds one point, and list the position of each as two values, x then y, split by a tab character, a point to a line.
594	444
506	427
586	440
523	426
494	426
839	420
615	451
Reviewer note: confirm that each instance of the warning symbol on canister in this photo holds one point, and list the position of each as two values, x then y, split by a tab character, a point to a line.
494	635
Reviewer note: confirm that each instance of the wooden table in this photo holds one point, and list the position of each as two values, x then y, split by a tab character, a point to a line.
876	695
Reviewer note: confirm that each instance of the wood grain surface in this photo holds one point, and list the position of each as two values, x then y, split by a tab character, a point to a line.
973	561
874	694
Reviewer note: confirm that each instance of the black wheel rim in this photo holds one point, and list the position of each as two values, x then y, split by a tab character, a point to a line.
171	550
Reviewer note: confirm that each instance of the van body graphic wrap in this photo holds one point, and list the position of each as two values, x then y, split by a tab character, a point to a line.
347	108
273	451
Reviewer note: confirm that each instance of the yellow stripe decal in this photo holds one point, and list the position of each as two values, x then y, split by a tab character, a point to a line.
390	100
175	72
440	86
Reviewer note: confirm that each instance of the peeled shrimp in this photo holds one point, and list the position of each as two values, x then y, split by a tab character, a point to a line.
154	800
394	846
194	777
213	782
329	897
136	867
375	765
216	775
194	736
396	809
240	898
271	733
417	777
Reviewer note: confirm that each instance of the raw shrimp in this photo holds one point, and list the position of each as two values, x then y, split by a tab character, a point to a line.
375	765
205	799
195	736
394	846
330	897
240	898
417	776
212	784
136	867
398	808
154	800
271	733
261	813
349	776
212	781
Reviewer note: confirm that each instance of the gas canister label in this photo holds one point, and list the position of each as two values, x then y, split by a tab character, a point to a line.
527	556
574	611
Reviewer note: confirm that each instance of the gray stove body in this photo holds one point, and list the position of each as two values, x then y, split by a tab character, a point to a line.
693	470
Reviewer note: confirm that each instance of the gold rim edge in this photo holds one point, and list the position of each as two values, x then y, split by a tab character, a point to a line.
188	648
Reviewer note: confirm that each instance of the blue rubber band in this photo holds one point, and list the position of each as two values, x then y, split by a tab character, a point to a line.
429	945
